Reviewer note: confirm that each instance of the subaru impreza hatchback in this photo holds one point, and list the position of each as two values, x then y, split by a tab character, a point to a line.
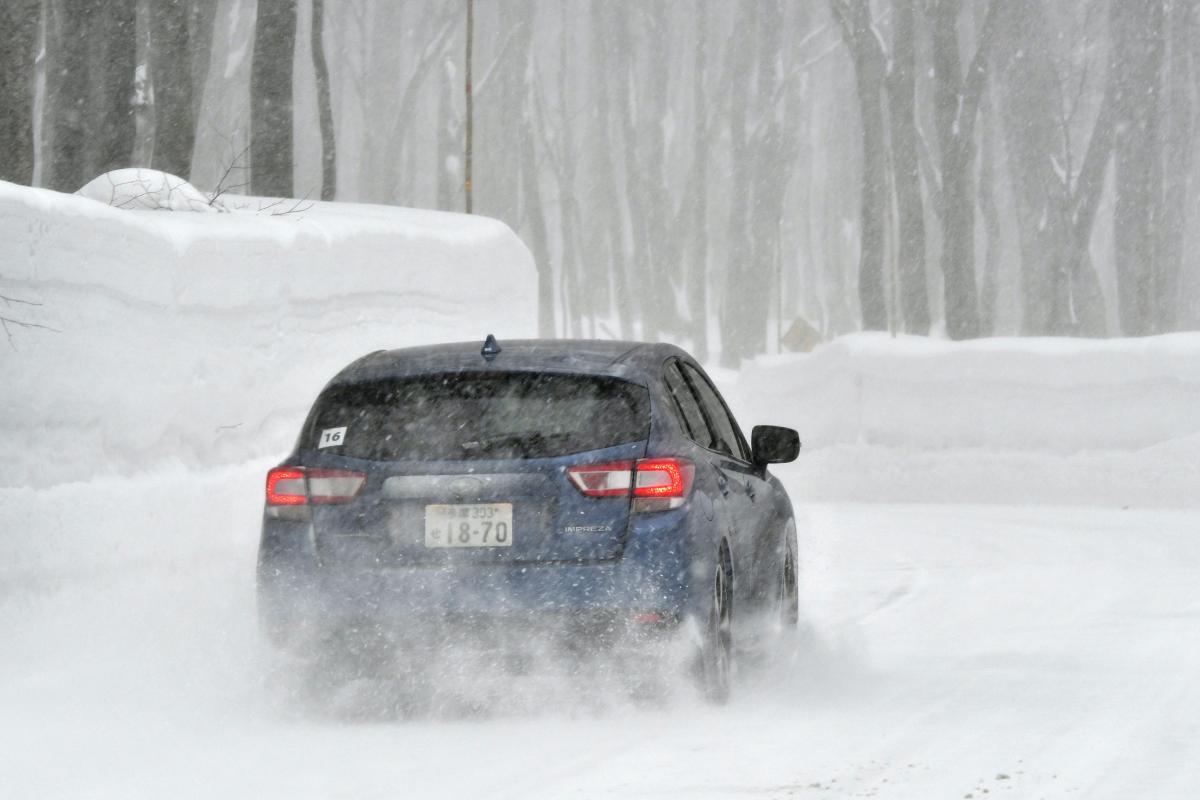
598	491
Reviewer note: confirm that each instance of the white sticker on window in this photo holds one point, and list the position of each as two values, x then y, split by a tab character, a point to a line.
332	437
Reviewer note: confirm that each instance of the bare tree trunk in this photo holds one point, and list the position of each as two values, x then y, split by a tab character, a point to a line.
1085	200
576	305
738	324
1137	51
324	104
271	154
92	49
1033	125
640	261
914	292
469	136
172	78
655	254
67	90
113	64
991	221
389	155
1056	201
854	16
18	46
532	211
113	57
539	241
697	281
202	17
449	142
956	104
1177	156
607	246
773	149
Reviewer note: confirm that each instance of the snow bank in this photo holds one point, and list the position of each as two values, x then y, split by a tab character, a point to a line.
1111	422
148	190
201	339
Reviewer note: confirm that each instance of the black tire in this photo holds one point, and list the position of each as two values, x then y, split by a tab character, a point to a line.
789	594
787	641
716	655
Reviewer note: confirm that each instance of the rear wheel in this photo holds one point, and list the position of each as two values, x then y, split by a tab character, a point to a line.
787	639
717	649
789	595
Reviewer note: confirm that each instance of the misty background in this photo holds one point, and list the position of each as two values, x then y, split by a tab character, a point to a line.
738	177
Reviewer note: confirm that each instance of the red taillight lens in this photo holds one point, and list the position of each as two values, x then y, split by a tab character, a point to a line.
285	487
603	480
656	484
663	477
296	486
662	484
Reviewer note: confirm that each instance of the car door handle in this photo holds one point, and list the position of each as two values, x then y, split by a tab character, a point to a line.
750	489
723	484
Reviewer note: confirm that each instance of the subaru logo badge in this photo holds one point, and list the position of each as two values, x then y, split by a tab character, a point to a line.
465	487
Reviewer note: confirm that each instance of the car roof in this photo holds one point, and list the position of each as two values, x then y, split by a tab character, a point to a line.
635	361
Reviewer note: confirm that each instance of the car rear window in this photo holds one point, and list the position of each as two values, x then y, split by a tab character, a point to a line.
478	416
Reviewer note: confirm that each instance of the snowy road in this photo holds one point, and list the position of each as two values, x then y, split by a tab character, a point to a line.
958	651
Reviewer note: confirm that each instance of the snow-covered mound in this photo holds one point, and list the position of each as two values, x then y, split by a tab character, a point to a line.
139	189
1112	422
202	338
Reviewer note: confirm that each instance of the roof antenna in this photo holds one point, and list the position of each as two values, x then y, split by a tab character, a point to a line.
491	348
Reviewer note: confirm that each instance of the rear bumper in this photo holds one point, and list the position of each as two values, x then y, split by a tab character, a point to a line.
648	588
617	588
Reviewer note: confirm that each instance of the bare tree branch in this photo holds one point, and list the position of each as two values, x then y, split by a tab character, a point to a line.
11	300
5	322
222	187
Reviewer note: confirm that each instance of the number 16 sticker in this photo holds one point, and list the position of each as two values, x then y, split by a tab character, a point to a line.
332	437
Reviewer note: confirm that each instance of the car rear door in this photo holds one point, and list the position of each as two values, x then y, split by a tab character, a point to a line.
466	468
748	493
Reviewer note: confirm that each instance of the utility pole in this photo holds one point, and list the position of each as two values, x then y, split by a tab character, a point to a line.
470	106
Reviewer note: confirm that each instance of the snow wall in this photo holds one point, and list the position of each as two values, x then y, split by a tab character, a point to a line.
1068	421
201	339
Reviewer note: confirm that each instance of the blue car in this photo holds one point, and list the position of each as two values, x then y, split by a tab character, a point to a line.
598	491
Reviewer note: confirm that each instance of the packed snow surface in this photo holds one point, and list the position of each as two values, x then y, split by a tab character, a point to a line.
1032	652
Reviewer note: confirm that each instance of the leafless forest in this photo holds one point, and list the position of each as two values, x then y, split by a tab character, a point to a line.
737	176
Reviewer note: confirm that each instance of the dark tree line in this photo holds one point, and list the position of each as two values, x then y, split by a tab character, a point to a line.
706	172
92	59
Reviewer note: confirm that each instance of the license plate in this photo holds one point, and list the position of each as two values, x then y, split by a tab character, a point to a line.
469	525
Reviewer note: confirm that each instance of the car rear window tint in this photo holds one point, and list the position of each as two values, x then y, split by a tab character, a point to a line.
689	410
478	416
726	438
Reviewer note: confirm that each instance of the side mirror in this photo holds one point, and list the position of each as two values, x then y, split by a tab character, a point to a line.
772	444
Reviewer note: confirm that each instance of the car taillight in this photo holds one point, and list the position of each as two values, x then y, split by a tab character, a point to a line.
297	486
285	487
662	477
662	483
656	484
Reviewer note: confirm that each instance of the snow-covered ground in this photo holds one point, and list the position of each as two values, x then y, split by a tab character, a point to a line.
1030	652
1014	612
